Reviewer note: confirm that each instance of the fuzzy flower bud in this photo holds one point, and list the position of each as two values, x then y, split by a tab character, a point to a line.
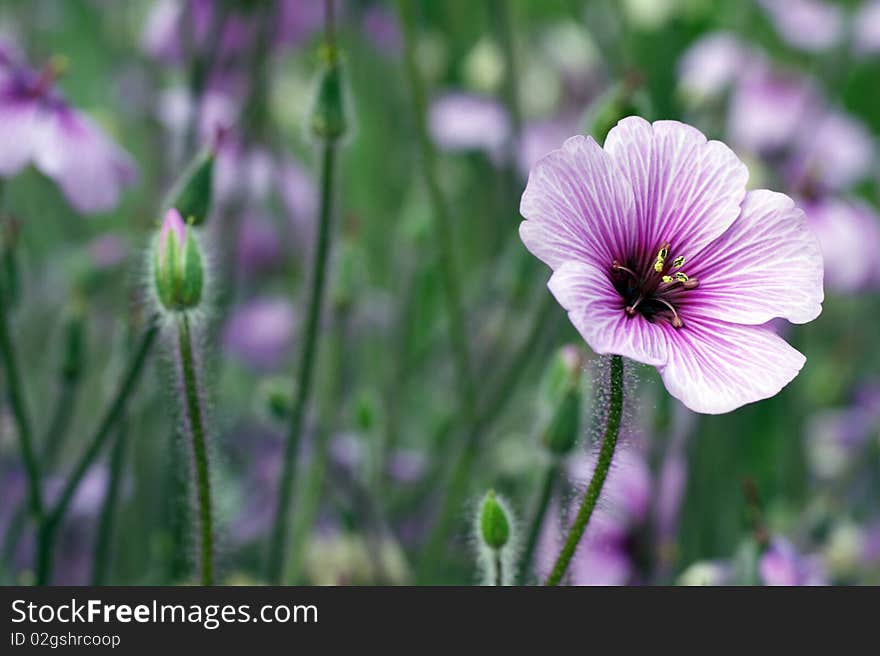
494	523
177	265
191	194
565	394
329	121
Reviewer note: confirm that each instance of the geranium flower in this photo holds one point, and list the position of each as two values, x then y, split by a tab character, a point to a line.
660	255
37	126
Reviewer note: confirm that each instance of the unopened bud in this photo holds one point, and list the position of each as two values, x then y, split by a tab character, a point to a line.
178	267
191	194
494	523
329	121
276	398
564	397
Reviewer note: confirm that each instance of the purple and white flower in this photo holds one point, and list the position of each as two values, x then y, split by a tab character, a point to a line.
660	255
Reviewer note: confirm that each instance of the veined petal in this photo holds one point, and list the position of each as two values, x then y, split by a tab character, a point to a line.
687	190
715	367
767	265
597	311
578	206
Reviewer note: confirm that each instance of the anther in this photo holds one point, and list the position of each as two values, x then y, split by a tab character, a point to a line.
631	309
617	266
676	320
678	262
681	276
661	258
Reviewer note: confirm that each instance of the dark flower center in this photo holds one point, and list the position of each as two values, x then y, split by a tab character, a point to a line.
654	290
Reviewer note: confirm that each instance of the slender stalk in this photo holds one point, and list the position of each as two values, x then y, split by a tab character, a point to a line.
540	512
104	536
19	411
441	222
196	424
49	527
499	571
460	473
61	416
600	473
306	365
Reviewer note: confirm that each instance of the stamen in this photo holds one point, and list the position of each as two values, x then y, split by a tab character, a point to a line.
616	266
676	320
681	276
661	258
667	279
631	309
678	262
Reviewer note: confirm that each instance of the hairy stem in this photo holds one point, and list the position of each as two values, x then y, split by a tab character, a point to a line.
600	473
309	343
49	526
196	424
499	568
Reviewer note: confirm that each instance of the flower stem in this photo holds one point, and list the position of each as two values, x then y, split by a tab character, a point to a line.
441	222
600	473
547	486
19	411
103	538
499	568
278	542
195	423
49	527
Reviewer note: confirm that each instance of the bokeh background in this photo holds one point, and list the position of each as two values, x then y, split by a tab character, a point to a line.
785	491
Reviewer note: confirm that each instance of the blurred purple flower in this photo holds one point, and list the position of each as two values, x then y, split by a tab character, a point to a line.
258	247
617	225
768	108
38	127
461	122
831	153
261	332
540	137
866	27
811	25
848	231
712	64
781	564
381	27
108	250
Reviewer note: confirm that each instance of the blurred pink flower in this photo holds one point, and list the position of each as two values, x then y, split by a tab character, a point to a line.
712	64
619	226
38	127
460	122
781	564
866	28
848	231
811	25
261	332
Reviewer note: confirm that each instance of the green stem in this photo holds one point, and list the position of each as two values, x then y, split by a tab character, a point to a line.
49	527
537	522
19	412
460	473
195	423
499	569
603	464
442	223
278	542
103	538
54	440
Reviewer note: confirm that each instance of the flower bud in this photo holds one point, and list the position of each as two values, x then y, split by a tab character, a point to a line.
564	397
329	121
276	398
191	194
178	269
494	523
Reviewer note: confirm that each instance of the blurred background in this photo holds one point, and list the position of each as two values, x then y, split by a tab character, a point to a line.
392	466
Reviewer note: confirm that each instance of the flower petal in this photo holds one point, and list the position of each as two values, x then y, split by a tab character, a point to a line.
578	206
715	367
596	310
767	265
84	162
18	126
687	190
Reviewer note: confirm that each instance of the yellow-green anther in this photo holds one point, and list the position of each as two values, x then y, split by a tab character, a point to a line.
681	276
678	262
